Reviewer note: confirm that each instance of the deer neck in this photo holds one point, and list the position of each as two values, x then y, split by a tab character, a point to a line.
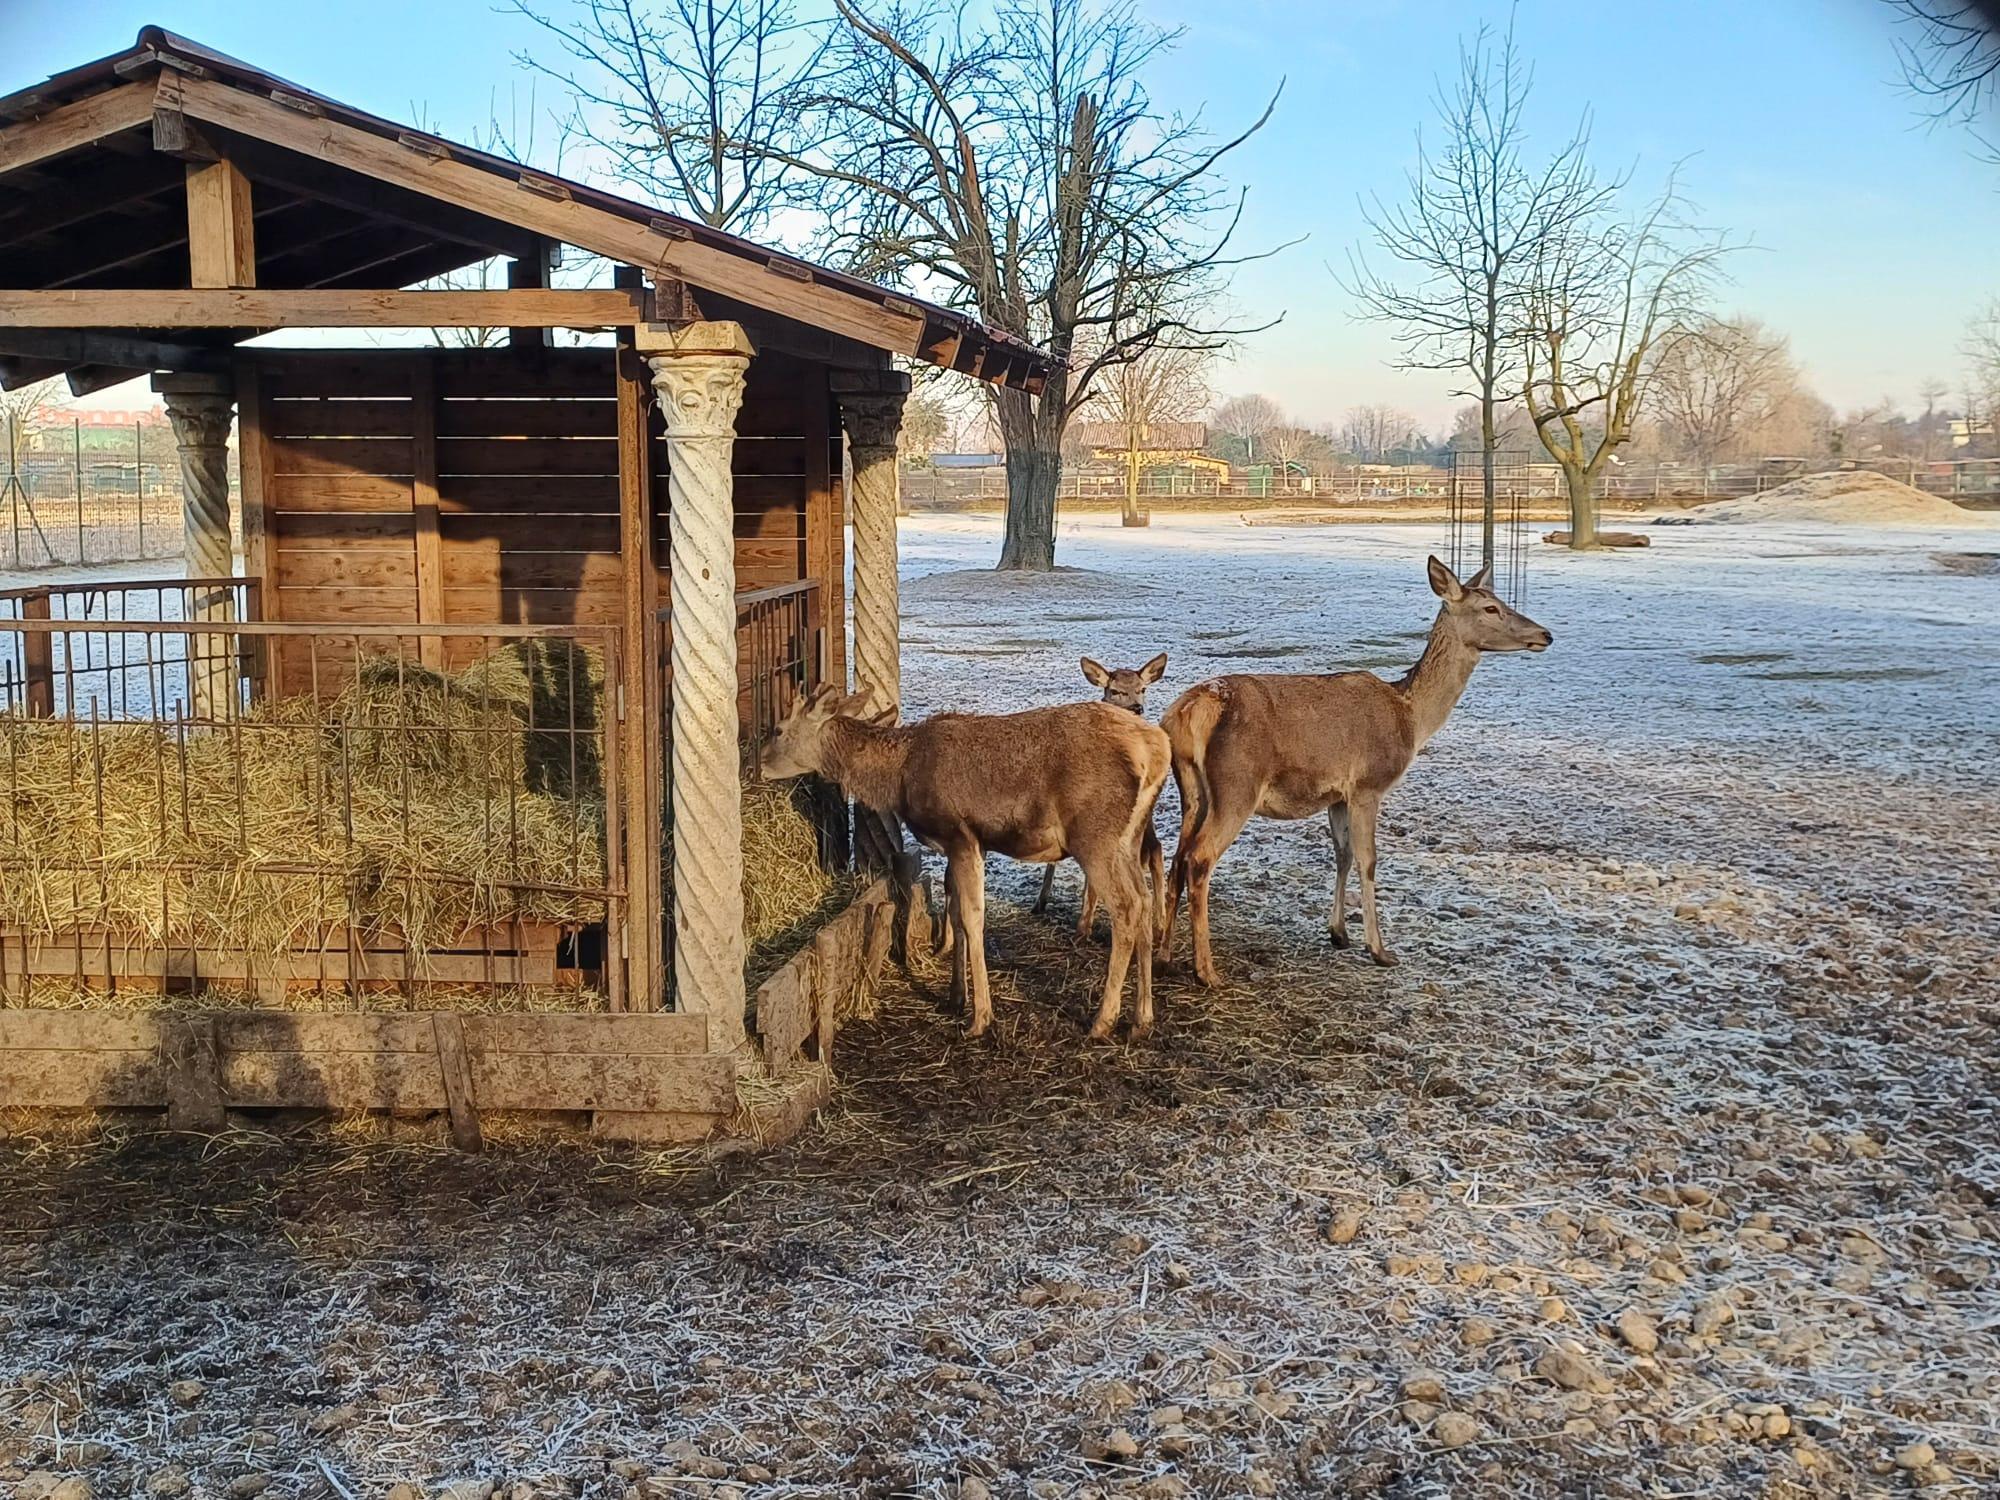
1436	683
867	762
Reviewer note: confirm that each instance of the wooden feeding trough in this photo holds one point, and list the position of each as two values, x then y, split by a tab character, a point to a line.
434	804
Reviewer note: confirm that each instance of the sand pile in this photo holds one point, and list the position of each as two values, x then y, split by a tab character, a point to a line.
1851	497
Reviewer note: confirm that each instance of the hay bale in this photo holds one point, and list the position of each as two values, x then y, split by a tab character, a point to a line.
411	802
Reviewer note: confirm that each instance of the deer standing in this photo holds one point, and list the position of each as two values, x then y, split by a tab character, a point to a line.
1288	745
1075	781
1124	687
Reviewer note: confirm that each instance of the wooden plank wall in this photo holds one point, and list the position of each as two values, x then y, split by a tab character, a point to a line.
495	500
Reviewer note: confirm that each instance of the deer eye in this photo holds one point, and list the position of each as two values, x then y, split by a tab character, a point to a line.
1493	609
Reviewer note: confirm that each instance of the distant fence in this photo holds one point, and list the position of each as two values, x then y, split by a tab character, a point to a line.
1974	480
72	494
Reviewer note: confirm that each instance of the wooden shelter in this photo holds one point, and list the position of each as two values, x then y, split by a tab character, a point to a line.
669	503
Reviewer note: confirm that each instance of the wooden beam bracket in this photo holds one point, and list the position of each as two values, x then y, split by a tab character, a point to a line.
299	103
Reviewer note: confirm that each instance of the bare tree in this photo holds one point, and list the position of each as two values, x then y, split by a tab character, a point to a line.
925	426
1607	300
1474	216
1245	421
1372	433
1020	168
1982	357
1950	56
696	100
1719	386
1149	401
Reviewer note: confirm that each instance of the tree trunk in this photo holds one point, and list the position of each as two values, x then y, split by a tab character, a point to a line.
1487	438
1034	468
1582	509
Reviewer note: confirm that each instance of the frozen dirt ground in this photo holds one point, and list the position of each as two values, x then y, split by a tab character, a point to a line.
1667	1164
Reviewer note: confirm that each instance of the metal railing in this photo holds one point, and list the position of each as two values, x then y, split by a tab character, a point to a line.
780	651
344	817
95	667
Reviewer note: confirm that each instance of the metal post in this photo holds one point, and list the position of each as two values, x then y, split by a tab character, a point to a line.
76	466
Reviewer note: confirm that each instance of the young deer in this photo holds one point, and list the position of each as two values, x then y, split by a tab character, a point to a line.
1286	746
1124	687
1074	781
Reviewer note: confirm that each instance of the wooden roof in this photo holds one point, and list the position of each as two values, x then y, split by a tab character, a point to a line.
94	198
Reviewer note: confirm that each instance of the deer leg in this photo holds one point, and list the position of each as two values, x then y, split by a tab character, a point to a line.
961	989
1217	832
1089	913
1156	871
1343	862
1117	879
1170	892
1048	884
969	867
1362	820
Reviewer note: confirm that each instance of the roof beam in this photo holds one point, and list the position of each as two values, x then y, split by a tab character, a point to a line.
123	348
319	308
313	179
70	126
116	185
598	230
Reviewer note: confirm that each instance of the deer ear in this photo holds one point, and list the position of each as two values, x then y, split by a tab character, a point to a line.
1154	670
1094	674
1444	583
1482	579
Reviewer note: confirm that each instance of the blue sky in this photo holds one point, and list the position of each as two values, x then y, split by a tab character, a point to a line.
1875	237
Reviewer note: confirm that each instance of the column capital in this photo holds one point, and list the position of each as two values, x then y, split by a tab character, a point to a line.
872	419
699	394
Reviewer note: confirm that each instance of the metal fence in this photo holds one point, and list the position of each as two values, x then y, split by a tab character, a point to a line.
1975	481
72	494
301	807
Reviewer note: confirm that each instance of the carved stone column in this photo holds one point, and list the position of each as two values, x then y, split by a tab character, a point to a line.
201	408
872	419
871	414
698	375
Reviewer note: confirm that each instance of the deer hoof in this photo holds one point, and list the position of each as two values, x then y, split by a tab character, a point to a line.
1141	1030
1384	958
1339	938
1101	1032
1208	976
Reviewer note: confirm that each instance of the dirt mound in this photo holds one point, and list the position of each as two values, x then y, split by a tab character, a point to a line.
1853	497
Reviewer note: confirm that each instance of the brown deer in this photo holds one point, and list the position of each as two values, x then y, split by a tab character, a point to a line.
1288	745
1077	781
1124	687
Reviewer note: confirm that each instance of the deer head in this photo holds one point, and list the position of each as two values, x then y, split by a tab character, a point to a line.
1478	618
1125	687
797	746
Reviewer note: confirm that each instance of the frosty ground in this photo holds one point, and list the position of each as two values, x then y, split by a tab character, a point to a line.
1665	1164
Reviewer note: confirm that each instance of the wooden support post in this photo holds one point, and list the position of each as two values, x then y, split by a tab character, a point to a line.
253	462
191	1059
424	506
38	660
222	246
871	412
698	373
530	273
644	752
455	1069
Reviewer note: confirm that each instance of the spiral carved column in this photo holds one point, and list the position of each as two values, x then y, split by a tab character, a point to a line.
201	408
871	413
698	375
